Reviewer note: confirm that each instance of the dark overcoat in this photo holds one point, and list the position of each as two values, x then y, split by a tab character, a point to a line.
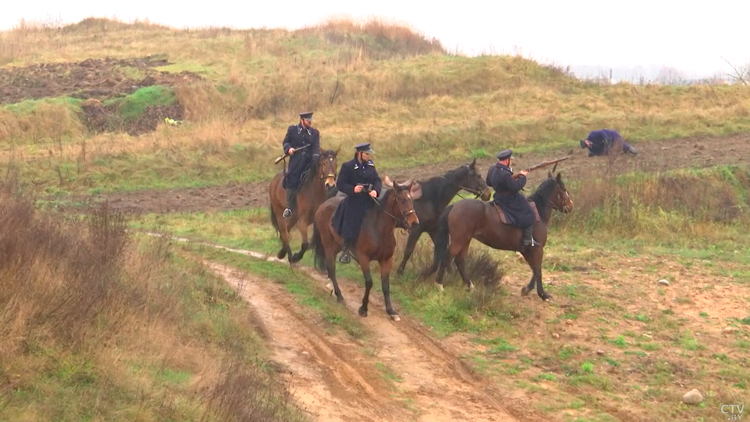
508	196
602	141
296	137
347	220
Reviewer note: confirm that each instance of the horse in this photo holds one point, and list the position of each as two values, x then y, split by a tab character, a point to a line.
376	241
474	219
437	193
314	189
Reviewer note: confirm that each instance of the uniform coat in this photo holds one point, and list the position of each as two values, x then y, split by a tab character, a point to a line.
351	211
296	137
507	195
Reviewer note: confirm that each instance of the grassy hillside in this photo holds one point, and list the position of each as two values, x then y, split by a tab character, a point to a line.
95	326
237	90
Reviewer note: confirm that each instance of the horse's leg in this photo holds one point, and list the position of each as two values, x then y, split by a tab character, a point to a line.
434	265
364	264
461	265
286	250
453	249
411	242
539	255
331	269
385	274
302	225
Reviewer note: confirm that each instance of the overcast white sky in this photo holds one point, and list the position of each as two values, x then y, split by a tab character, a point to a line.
691	35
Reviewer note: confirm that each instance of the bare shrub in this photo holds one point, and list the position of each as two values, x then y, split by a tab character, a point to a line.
246	393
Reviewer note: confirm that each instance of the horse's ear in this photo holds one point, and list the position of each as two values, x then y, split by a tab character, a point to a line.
550	175
406	185
559	177
415	190
473	163
555	167
387	181
335	153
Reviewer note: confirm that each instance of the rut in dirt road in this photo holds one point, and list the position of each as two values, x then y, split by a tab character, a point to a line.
329	381
433	379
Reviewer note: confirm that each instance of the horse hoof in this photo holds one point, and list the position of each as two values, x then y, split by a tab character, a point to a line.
546	298
471	287
362	312
340	299
525	291
440	287
395	317
281	255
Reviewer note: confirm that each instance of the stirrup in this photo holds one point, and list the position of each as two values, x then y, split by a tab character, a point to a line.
344	258
287	213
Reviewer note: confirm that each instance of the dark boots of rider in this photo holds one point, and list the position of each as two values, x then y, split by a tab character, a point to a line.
528	240
344	258
291	202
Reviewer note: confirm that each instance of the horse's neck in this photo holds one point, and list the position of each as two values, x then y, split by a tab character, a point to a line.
446	190
543	205
384	223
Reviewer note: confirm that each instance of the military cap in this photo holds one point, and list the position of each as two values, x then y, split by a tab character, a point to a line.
306	115
506	153
364	148
583	143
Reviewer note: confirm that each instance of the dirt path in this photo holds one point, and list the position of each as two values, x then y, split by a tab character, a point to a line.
654	156
335	379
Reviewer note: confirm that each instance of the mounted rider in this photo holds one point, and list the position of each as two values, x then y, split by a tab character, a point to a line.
299	136
600	142
514	204
359	180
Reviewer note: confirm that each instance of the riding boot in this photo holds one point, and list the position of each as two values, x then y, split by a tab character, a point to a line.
291	202
528	240
344	258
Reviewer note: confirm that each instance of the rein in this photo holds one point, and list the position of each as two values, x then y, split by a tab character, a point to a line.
476	193
403	214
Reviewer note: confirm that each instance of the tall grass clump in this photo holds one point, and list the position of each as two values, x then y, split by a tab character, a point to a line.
95	325
661	203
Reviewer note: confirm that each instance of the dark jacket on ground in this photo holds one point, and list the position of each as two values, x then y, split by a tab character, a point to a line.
351	211
508	196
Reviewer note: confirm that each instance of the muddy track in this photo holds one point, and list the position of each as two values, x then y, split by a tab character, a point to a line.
654	156
336	379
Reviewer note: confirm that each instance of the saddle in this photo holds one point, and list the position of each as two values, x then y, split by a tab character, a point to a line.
504	220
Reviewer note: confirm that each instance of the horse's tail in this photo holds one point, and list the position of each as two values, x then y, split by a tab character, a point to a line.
443	236
317	247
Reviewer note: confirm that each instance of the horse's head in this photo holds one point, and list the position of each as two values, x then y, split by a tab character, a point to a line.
327	167
560	199
404	195
472	181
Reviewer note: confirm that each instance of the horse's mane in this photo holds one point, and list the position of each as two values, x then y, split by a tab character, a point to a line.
433	187
309	175
543	193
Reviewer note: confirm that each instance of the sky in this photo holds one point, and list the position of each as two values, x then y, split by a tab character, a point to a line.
693	36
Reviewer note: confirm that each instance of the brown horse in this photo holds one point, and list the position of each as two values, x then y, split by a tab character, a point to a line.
437	193
313	190
474	219
376	241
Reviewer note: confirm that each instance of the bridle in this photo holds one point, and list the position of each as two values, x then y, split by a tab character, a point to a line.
560	199
404	215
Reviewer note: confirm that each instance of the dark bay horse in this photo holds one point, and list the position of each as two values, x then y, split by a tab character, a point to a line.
474	219
313	190
376	241
437	193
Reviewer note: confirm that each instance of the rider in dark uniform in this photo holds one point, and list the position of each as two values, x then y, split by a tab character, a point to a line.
507	195
600	142
298	136
360	181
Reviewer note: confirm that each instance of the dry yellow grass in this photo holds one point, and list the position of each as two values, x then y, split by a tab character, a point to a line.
373	81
